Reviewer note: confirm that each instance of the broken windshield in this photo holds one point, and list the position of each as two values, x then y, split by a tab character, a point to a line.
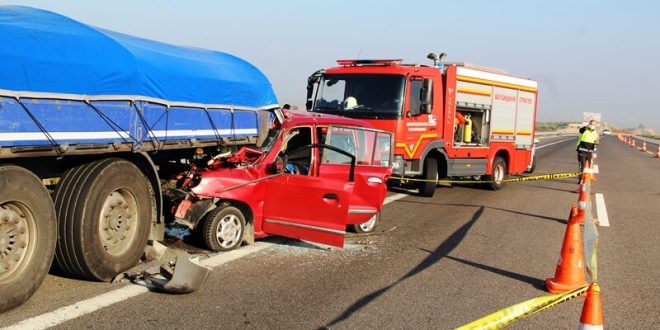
361	96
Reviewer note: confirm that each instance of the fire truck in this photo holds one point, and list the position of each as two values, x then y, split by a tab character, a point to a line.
450	120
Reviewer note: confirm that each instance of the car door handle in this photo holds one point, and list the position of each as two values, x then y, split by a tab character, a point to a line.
374	179
331	196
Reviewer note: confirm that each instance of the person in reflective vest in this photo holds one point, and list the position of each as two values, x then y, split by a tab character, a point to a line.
587	143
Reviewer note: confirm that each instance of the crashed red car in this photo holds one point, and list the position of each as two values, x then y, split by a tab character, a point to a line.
310	178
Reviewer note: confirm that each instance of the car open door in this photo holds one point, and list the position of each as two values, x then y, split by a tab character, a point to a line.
373	152
308	207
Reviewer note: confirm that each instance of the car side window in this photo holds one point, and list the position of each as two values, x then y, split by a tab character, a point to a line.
298	159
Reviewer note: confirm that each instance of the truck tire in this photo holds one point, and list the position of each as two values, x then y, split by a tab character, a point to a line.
223	229
499	174
430	175
28	230
533	166
366	227
104	209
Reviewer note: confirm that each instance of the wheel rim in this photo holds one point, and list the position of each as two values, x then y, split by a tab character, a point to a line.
369	225
118	222
17	237
229	231
499	173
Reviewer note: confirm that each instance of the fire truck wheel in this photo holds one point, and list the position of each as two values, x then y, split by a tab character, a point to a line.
533	166
223	229
366	227
495	180
28	230
105	211
430	175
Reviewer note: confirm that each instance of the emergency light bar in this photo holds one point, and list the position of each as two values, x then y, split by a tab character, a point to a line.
369	62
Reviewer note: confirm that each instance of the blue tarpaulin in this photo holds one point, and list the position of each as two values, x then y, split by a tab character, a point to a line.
41	51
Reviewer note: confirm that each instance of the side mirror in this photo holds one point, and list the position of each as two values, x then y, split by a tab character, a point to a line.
277	166
426	97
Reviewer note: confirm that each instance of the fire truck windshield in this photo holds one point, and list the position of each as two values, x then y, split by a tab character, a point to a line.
360	96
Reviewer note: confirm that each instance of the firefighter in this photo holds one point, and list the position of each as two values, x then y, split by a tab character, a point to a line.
587	142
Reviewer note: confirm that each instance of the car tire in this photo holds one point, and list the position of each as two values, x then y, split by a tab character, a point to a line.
223	229
499	174
28	231
430	175
366	227
105	210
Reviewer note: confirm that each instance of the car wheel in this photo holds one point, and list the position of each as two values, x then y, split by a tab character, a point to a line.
366	227
223	229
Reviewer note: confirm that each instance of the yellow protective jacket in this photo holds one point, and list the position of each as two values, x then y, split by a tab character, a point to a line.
588	138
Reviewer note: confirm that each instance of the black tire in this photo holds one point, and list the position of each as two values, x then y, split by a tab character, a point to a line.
105	211
533	166
217	237
366	227
24	202
430	174
495	180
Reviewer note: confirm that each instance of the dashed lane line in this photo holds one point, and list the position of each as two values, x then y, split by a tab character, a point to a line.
81	308
601	211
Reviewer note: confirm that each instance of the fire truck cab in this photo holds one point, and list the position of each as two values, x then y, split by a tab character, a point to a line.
449	120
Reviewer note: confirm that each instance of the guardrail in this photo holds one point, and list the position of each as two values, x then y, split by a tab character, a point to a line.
549	134
648	140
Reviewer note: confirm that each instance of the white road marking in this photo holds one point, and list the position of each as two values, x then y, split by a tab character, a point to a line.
91	305
78	309
601	211
393	198
553	143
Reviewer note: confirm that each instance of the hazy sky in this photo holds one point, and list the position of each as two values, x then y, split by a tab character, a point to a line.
597	56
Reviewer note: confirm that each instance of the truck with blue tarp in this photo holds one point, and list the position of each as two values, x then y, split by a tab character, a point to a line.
89	120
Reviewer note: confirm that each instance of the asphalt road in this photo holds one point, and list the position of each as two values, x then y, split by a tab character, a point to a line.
435	263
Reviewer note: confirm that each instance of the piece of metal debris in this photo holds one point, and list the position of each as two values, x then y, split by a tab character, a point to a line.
188	275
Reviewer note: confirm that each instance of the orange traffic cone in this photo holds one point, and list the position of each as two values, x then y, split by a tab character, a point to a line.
583	199
592	310
643	149
632	142
569	274
657	154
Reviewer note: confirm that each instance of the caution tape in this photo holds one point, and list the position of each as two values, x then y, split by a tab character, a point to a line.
505	317
542	177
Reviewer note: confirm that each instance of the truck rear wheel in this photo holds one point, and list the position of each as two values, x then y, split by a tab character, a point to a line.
496	179
104	209
430	176
28	230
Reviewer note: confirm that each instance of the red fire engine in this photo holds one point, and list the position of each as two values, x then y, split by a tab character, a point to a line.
449	120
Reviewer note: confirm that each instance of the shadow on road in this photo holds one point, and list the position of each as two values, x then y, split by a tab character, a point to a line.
440	252
562	221
535	282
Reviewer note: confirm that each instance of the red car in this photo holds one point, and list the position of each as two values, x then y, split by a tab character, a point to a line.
310	178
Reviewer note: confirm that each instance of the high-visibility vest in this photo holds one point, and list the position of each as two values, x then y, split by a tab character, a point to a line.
588	136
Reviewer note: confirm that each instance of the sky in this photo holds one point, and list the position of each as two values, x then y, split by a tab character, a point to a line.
594	56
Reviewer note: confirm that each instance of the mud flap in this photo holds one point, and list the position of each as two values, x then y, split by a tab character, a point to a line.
188	276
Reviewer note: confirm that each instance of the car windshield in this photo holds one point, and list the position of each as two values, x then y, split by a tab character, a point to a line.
361	96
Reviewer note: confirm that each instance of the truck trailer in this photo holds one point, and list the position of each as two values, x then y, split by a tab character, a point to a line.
88	120
450	120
